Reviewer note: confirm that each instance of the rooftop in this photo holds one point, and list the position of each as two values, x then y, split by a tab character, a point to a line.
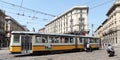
75	7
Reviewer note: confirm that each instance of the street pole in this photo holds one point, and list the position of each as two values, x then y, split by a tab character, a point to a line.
0	44
92	29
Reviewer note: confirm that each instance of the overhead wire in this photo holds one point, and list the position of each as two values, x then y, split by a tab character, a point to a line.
46	14
51	14
87	2
21	3
3	6
18	13
22	14
101	4
91	8
104	3
28	9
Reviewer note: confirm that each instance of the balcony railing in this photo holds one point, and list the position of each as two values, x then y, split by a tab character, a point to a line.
111	30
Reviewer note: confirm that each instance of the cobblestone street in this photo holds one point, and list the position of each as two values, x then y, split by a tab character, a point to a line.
95	55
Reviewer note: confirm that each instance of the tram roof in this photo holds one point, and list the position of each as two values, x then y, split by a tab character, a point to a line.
38	33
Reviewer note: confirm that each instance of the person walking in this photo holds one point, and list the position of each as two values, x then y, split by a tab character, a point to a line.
110	50
88	48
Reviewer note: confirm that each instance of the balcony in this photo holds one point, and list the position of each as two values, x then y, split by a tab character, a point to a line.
111	30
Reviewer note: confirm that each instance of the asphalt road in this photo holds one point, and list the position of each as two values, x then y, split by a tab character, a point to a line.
95	55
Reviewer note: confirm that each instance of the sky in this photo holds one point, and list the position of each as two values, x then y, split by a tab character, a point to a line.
96	15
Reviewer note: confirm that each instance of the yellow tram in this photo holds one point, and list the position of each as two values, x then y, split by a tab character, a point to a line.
31	42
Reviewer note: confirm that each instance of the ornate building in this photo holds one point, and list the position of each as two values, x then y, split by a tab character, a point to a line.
8	24
2	20
73	21
42	30
12	25
109	31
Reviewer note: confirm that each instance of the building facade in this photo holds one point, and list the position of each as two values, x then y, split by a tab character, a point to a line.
12	25
2	20
73	21
42	30
109	31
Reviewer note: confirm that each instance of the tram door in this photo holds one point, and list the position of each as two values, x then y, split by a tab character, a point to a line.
26	43
85	43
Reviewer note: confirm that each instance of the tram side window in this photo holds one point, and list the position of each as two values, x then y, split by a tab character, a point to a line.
71	40
44	39
57	40
88	40
96	40
51	40
38	40
16	38
81	39
92	40
66	40
62	40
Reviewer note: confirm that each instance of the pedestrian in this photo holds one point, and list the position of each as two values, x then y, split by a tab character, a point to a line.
89	49
85	46
110	50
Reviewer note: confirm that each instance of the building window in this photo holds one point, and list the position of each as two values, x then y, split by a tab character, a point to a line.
71	20
81	11
116	39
